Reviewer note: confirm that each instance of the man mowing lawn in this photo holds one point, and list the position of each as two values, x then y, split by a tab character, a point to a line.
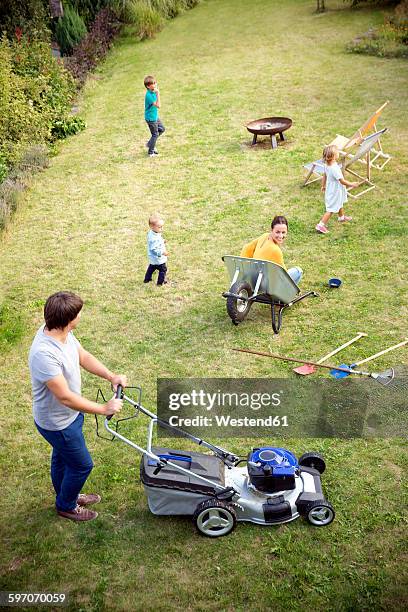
55	359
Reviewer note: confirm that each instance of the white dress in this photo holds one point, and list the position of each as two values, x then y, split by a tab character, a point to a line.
336	193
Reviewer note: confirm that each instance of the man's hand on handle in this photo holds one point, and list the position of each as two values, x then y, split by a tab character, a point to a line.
118	379
113	406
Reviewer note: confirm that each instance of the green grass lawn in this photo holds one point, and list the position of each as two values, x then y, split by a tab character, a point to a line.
82	226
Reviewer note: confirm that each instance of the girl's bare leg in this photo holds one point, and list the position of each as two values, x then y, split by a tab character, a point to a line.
325	218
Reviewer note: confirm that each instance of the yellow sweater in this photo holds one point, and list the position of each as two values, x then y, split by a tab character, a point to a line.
263	248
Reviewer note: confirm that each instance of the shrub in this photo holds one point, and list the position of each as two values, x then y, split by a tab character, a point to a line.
88	9
169	8
383	43
33	159
68	126
389	40
354	3
93	46
3	170
401	14
70	30
31	17
47	83
20	120
148	15
35	91
9	196
400	20
147	20
6	86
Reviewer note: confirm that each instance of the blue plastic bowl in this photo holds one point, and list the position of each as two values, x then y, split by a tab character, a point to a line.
334	283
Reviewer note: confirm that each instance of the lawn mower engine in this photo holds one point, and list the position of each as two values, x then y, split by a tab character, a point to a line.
278	488
271	470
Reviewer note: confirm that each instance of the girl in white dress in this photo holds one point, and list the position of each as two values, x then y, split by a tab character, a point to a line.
334	187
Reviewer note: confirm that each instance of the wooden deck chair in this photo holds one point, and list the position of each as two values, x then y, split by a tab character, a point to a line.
363	154
346	144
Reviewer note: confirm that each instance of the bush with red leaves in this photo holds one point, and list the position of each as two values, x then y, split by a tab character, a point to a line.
94	46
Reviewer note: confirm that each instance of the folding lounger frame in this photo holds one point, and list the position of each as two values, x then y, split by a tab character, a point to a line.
270	284
362	154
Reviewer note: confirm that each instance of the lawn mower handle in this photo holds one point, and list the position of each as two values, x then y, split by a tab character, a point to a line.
118	395
227	457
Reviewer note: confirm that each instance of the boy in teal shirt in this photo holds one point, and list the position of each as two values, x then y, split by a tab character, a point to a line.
152	105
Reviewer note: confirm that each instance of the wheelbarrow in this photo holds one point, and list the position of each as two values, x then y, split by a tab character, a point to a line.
256	280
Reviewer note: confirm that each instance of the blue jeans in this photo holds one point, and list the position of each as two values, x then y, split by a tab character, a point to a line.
295	274
156	129
71	462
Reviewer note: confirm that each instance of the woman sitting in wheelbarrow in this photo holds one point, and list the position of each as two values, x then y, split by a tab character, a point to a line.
268	247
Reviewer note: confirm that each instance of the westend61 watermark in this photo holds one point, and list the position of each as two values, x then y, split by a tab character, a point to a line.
213	401
227	407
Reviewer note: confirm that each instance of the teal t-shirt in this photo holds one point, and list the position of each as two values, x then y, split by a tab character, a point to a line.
151	112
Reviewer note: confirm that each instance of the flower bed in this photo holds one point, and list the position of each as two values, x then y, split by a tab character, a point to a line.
389	40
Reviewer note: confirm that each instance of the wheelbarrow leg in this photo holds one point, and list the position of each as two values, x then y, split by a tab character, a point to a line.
282	136
277	309
276	312
254	139
274	144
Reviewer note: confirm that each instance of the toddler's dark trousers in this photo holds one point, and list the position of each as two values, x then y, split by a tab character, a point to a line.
162	268
156	129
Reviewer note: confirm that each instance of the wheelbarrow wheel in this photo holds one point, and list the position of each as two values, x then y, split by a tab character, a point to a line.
237	308
215	518
320	513
313	460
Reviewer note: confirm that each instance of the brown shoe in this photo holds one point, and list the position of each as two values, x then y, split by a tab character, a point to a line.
88	499
79	513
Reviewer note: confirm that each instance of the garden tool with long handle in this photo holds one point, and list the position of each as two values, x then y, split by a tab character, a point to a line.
338	373
384	378
305	370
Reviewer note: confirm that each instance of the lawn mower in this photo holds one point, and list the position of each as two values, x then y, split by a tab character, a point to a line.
269	487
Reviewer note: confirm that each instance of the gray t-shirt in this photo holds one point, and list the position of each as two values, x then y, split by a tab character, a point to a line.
49	358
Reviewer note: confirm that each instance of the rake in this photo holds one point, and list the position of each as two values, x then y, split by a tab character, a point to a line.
384	378
337	373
